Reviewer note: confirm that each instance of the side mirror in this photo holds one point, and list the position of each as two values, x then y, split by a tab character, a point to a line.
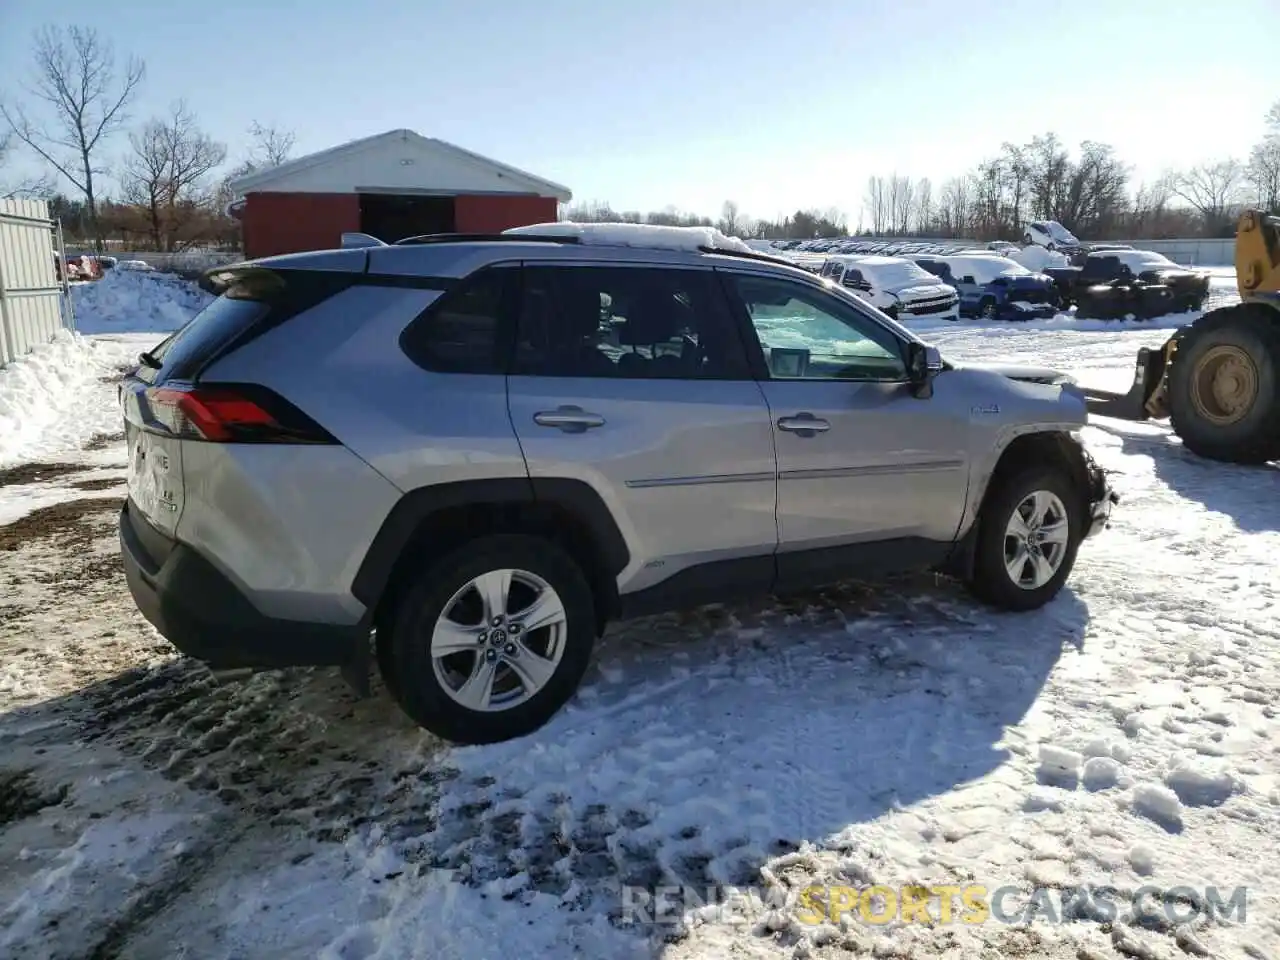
924	362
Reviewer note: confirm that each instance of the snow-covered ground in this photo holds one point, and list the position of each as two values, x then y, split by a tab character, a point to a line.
135	301
897	735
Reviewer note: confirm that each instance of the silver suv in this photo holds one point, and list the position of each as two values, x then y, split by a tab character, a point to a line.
480	450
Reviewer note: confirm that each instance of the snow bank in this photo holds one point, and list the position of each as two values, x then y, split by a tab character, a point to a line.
637	235
1038	258
136	301
52	399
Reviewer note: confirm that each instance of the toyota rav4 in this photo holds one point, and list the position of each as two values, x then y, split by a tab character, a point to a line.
476	451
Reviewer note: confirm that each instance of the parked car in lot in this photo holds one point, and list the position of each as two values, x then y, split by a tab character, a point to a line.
1115	283
895	285
994	287
1049	234
483	450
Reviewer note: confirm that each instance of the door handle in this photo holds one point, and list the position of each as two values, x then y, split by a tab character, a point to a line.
805	424
570	419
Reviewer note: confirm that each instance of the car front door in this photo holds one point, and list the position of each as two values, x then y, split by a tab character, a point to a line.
635	380
869	474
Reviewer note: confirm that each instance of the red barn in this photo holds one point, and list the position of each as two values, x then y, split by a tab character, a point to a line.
394	185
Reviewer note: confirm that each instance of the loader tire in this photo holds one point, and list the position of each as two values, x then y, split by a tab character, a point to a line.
1224	385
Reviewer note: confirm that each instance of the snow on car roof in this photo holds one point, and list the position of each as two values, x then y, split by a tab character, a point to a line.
646	235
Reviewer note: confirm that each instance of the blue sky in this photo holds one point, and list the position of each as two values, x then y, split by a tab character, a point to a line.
644	103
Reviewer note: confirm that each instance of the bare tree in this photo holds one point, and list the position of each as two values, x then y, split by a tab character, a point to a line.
924	206
270	146
167	174
1212	188
76	81
26	186
902	202
876	203
730	220
1264	172
954	212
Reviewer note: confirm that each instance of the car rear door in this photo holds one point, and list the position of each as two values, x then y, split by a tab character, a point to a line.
634	379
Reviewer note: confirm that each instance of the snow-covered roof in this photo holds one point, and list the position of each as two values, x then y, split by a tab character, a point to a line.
647	235
398	160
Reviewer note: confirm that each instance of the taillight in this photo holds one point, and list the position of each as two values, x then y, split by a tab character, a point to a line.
230	413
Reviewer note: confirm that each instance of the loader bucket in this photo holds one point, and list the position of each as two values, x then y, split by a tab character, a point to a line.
1147	374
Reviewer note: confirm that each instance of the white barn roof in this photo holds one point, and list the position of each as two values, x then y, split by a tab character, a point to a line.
398	161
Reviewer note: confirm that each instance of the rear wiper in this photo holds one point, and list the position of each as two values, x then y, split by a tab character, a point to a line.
149	359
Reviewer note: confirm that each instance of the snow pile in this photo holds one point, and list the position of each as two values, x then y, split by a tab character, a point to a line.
53	398
136	301
646	235
1038	258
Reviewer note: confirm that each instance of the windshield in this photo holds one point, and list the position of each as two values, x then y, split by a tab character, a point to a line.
898	273
1057	230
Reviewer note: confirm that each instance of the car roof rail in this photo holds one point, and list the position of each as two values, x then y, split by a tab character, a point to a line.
748	255
483	238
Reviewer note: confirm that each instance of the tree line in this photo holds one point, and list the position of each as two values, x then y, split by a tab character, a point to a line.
1091	193
172	180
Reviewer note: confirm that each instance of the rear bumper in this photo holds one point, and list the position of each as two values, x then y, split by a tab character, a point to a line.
207	617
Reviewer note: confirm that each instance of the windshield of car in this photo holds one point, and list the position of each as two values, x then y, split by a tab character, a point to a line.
1057	230
895	273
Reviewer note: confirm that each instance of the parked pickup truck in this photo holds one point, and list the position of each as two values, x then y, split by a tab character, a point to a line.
1113	284
895	285
994	287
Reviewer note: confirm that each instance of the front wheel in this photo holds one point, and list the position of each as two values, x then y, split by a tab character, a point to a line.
492	640
1028	534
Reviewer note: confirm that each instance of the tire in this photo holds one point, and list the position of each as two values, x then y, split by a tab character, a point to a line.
422	683
1027	239
991	580
1230	428
987	309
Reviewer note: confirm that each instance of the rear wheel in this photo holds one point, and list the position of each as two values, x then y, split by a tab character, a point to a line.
492	640
1028	534
1224	391
987	309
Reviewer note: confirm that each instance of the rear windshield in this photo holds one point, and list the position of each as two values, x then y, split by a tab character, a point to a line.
254	303
204	335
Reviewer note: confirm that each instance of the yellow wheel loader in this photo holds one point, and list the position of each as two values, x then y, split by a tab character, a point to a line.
1217	379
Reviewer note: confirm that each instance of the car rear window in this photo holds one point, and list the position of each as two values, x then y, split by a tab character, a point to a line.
204	335
252	304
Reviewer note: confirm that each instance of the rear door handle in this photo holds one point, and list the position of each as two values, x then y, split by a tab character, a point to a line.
805	424
568	418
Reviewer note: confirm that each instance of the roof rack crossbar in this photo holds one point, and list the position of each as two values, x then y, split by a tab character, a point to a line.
484	238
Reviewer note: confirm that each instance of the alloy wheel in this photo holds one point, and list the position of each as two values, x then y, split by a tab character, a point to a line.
1035	539
499	640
